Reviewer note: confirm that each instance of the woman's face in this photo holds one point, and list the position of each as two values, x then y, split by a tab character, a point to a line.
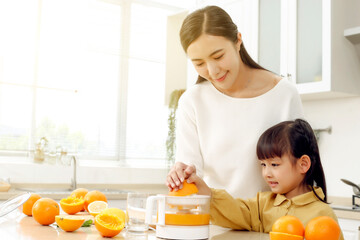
216	59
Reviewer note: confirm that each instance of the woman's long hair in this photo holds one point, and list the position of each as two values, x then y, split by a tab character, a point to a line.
214	21
295	138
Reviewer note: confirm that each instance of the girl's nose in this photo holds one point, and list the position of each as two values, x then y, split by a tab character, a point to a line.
266	172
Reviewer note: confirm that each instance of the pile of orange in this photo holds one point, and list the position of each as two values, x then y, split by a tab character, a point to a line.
108	221
291	228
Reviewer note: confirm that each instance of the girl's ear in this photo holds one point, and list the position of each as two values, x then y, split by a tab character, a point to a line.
304	163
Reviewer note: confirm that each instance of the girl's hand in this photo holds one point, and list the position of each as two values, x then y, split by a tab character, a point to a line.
200	184
178	173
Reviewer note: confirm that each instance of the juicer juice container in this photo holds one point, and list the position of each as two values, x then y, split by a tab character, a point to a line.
185	217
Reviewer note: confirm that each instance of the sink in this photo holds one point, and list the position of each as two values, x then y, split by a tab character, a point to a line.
67	191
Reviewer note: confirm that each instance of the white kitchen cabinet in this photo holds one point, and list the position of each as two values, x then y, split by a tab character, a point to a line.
305	39
350	228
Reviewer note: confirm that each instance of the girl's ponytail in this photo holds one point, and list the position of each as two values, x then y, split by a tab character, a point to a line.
304	142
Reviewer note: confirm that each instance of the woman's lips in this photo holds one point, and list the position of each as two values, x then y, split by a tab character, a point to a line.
222	78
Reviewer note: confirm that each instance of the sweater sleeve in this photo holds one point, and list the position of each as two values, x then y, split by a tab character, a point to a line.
295	104
187	139
229	212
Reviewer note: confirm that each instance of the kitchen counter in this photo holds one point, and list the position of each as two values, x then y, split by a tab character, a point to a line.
24	227
59	191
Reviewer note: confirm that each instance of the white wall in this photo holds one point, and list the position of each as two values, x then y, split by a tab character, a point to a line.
340	149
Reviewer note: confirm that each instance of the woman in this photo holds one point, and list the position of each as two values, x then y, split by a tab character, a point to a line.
220	119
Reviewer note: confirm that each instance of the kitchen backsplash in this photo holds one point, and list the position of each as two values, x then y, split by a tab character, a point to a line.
339	150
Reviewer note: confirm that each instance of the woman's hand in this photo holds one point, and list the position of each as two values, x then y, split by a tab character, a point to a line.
178	173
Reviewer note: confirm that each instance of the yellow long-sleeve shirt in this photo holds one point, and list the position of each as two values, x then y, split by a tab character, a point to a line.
259	213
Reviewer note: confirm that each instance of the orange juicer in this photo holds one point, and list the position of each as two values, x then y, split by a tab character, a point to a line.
185	217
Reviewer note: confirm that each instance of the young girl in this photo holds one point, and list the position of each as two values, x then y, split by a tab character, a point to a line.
291	166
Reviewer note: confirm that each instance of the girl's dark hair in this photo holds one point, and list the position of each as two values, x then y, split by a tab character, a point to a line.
294	138
214	21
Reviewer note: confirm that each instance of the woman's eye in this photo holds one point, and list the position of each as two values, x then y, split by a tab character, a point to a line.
263	164
199	64
274	164
219	57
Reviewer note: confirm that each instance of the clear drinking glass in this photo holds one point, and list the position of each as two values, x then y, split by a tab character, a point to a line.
135	212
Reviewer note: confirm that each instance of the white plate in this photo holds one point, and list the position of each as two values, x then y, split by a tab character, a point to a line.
13	203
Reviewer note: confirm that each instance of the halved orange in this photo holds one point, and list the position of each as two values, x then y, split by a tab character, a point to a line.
115	211
284	236
94	196
96	207
187	189
69	223
108	225
79	193
72	205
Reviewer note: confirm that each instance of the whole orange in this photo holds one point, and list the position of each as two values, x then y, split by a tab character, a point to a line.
322	227
92	196
45	210
79	193
28	205
290	225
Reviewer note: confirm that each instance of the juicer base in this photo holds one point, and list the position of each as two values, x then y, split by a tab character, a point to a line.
182	232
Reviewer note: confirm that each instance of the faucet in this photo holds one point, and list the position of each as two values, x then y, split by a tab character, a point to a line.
73	180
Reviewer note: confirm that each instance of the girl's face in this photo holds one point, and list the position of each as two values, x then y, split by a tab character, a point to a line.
283	177
216	59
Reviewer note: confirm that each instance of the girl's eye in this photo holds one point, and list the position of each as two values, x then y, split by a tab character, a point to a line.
274	164
219	57
263	164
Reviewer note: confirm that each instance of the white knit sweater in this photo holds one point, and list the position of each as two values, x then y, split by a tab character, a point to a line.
218	133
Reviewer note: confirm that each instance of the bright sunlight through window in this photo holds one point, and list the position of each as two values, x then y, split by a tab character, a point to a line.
87	75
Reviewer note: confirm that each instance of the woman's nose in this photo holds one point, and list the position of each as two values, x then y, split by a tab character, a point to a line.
213	70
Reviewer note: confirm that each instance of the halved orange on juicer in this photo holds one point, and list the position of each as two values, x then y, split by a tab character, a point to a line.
187	189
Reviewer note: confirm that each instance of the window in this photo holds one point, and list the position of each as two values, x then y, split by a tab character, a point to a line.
87	75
